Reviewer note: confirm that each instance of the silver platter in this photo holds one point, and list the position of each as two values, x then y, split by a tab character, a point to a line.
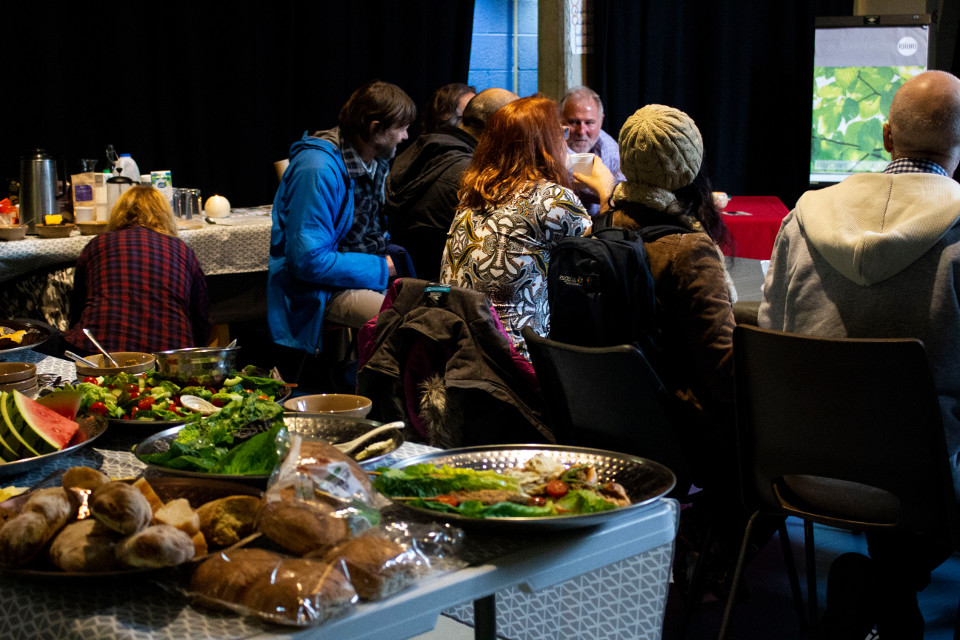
91	428
644	480
310	425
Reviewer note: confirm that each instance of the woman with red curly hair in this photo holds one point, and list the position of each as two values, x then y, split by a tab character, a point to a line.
516	203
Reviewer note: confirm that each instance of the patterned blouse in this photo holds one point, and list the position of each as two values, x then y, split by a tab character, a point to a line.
504	253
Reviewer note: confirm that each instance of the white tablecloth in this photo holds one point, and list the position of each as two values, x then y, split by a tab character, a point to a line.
239	243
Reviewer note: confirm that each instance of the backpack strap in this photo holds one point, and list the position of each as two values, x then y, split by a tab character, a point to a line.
657	231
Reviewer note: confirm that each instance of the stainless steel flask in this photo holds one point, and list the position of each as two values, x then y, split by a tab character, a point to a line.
38	188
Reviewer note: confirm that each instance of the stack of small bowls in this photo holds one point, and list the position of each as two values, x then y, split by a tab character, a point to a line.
19	376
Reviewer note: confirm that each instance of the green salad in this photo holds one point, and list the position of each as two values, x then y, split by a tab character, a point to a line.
148	396
240	439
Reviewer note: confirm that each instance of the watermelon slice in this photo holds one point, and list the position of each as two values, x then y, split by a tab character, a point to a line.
8	452
66	402
10	420
43	429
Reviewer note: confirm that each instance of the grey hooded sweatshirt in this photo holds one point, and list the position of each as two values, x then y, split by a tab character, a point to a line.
876	256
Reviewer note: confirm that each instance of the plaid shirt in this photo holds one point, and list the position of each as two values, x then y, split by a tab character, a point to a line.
139	290
366	235
915	165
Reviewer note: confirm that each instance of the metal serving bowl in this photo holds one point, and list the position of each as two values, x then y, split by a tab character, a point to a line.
199	366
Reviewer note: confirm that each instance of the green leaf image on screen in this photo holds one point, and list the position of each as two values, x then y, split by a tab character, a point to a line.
850	106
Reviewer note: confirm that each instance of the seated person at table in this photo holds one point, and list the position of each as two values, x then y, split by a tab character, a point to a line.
516	204
422	187
583	112
445	107
876	256
138	287
661	154
328	251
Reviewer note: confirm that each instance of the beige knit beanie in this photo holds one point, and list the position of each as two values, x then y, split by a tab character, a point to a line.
660	151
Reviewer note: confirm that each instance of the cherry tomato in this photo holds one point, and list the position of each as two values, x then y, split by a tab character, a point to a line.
536	501
175	401
447	499
133	387
175	409
99	408
134	394
211	390
557	488
146	402
249	390
217	402
263	397
91	380
134	411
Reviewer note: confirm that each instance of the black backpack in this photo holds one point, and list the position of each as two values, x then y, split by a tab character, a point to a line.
600	289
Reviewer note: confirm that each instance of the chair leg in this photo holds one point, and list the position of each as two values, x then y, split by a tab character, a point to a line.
695	588
728	609
810	551
792	574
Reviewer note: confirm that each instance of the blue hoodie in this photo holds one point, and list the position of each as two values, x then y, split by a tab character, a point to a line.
312	212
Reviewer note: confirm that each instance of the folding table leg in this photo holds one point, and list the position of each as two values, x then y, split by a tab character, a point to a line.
485	618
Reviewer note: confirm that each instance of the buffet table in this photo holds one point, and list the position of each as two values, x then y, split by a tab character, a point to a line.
608	581
36	274
753	222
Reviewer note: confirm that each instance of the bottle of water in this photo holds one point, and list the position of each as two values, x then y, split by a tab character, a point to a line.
127	168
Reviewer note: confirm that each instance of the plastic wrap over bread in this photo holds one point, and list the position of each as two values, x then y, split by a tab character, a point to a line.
317	497
273	587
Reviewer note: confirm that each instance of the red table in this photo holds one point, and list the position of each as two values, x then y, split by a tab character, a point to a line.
753	222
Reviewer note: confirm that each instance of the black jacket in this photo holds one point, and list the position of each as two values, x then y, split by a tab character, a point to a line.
421	195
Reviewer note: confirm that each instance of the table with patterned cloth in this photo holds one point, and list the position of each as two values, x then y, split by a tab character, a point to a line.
608	581
36	274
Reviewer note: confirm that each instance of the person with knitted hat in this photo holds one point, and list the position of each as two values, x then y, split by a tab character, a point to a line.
661	156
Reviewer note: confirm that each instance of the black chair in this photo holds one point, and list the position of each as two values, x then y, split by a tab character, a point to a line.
606	398
840	432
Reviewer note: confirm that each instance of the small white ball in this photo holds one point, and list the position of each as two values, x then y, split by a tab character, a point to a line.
217	206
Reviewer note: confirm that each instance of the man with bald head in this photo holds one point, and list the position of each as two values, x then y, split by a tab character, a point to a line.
421	191
876	256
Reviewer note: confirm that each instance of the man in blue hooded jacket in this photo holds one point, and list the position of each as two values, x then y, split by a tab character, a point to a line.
328	252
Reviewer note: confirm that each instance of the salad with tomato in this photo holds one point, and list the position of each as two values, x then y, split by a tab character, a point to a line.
543	487
148	396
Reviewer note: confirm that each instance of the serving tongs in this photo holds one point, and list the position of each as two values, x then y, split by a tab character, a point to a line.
353	445
80	359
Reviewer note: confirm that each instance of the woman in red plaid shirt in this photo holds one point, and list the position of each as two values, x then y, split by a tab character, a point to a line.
139	287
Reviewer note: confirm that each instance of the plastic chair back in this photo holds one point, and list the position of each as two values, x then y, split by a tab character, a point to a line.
606	398
843	432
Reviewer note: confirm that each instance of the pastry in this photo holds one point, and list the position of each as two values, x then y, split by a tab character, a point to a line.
85	545
157	546
121	507
226	521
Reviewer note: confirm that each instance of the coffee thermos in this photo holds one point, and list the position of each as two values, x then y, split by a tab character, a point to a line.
38	188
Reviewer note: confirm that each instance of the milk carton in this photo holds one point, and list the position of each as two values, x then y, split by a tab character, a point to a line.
163	180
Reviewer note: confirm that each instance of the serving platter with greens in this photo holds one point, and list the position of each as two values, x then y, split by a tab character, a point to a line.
237	442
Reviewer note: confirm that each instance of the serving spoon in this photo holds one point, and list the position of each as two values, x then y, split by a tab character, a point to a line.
348	447
80	359
106	355
198	404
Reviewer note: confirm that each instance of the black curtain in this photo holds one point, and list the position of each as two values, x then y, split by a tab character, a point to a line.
214	92
741	69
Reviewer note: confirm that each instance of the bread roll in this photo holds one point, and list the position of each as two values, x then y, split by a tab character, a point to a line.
153	499
225	577
377	567
56	504
83	478
199	545
302	527
158	546
178	513
85	545
300	592
225	521
121	507
22	538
